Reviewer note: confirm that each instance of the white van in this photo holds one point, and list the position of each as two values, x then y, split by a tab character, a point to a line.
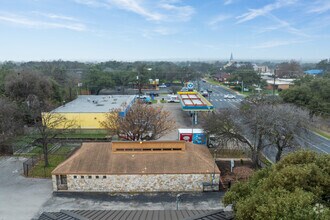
173	98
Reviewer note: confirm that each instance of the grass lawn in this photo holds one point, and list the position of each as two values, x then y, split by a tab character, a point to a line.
54	160
322	133
21	142
100	133
229	153
36	151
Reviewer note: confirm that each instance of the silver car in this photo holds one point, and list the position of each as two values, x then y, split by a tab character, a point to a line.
229	96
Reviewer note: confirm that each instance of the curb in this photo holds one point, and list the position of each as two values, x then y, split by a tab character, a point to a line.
319	135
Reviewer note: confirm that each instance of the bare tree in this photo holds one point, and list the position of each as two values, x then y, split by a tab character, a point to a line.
286	122
229	125
51	126
10	123
290	69
259	125
142	122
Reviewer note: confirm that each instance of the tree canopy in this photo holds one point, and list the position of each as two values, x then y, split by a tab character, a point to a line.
10	122
295	188
311	93
247	75
142	122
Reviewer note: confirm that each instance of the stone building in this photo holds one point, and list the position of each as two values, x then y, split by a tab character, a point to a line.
154	166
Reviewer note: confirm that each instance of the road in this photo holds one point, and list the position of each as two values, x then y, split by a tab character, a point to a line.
217	96
309	140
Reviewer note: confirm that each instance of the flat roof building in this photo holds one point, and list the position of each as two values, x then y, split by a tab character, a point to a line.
154	166
88	111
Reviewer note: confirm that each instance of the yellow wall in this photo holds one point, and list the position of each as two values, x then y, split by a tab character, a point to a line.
83	120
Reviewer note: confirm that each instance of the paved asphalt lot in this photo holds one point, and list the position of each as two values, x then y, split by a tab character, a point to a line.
20	197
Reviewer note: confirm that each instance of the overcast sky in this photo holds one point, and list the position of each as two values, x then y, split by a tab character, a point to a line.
95	30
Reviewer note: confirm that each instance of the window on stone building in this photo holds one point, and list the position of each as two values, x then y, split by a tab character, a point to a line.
104	177
82	177
74	177
89	177
96	177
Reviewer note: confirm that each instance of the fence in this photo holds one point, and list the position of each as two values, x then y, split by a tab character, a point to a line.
56	155
30	163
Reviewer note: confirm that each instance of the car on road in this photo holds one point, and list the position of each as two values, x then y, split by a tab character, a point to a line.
184	89
153	94
162	86
203	80
229	96
204	93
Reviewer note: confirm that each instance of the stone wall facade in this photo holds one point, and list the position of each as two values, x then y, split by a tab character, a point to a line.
137	183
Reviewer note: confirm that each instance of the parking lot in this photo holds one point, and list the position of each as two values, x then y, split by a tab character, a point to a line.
182	119
20	197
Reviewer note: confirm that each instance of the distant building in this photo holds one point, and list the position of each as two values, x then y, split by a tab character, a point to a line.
231	62
154	166
281	84
221	77
260	69
89	110
313	72
231	58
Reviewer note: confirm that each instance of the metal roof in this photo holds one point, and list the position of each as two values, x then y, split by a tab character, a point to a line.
136	215
313	71
96	103
194	101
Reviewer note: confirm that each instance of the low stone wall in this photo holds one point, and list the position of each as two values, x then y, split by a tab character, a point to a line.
137	183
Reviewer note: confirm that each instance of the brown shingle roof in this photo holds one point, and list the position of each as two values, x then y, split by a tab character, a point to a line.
98	158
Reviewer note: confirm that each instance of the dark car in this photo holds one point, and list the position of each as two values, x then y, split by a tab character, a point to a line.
153	94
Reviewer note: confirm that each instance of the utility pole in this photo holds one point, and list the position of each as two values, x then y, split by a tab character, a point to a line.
274	82
242	87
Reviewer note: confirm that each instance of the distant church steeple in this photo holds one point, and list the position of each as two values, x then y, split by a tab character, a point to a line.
231	57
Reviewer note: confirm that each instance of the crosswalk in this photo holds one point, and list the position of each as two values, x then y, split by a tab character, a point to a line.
226	100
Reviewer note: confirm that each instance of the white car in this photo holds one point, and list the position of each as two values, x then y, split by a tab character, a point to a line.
162	86
229	96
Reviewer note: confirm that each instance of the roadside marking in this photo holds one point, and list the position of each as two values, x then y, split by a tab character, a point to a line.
320	136
312	144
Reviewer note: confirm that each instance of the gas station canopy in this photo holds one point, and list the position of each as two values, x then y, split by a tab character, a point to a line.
194	101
